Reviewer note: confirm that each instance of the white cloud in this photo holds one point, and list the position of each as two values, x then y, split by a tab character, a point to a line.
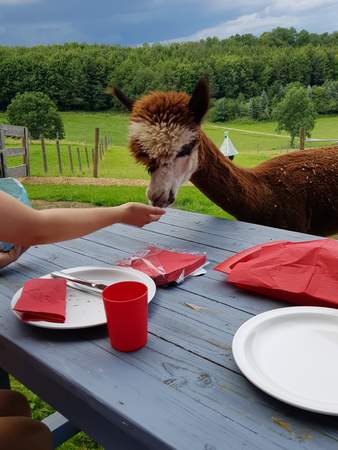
251	23
269	14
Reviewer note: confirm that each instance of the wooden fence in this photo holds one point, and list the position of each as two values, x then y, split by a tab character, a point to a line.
82	159
23	169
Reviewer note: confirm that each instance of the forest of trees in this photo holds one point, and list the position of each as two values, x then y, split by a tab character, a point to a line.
247	74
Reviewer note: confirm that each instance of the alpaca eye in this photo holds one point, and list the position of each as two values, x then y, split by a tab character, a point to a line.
186	149
151	167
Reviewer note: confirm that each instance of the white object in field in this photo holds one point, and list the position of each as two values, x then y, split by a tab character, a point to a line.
228	148
291	354
320	140
84	309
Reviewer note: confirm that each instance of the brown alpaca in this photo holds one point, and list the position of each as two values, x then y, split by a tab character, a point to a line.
297	191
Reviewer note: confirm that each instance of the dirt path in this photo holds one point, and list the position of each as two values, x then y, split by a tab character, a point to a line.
84	181
87	181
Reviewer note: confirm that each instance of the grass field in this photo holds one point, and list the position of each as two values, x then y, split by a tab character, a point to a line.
79	129
189	198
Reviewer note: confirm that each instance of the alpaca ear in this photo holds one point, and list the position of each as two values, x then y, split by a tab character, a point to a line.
116	92
199	101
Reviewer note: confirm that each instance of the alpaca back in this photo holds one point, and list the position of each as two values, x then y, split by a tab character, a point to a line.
308	181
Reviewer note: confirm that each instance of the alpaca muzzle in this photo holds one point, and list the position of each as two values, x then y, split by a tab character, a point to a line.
162	200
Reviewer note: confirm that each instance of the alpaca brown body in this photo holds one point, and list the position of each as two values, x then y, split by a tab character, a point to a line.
297	191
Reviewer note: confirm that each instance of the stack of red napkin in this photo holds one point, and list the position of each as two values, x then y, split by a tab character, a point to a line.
165	266
43	299
303	273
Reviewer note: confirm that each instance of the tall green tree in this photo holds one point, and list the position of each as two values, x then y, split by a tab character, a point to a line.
295	111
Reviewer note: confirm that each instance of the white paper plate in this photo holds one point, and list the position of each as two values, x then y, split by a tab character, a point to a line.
84	310
292	354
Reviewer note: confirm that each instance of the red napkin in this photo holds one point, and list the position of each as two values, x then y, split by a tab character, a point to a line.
43	299
303	273
165	266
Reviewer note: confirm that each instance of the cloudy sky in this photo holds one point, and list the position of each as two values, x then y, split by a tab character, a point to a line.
133	22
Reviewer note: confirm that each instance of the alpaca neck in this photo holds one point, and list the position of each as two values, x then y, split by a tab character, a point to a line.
234	189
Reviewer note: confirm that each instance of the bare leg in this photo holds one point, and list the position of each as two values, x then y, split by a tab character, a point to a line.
17	430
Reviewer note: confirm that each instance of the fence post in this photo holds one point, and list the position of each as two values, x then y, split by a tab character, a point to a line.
87	157
26	147
79	159
58	153
2	159
70	156
301	139
44	155
96	152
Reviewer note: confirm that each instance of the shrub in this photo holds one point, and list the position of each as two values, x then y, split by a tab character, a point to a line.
38	113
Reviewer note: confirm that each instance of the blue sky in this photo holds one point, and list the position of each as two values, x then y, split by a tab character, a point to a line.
133	22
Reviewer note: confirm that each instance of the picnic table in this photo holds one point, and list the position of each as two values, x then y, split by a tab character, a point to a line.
183	390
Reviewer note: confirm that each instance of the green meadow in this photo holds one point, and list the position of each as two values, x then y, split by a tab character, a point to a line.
117	163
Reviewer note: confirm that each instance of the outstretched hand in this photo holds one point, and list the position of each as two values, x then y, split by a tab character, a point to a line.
138	215
11	256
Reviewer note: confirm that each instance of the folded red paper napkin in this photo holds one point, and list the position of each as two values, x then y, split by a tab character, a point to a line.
43	299
303	273
165	266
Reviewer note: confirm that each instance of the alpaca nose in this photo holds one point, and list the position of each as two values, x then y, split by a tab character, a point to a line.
157	199
171	197
162	200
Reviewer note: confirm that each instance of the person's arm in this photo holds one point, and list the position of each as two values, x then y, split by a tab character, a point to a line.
25	226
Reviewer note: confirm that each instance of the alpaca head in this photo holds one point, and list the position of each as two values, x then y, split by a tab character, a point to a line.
164	134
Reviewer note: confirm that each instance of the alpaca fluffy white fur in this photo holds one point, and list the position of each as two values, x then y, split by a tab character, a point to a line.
160	139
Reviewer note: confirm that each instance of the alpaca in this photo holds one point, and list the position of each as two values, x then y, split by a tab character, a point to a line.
296	191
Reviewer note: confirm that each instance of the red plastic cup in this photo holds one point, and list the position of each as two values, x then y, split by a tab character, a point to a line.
126	306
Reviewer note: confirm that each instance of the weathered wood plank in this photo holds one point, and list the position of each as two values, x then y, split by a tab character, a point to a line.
178	376
12	130
58	155
96	153
70	157
15	151
26	158
229	228
44	154
17	171
76	253
106	396
87	157
211	286
229	395
181	234
79	159
188	352
134	240
61	428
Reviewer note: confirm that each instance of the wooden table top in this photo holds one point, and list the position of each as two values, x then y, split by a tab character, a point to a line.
183	390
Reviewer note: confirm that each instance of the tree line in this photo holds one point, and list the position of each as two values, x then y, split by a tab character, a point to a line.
247	74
